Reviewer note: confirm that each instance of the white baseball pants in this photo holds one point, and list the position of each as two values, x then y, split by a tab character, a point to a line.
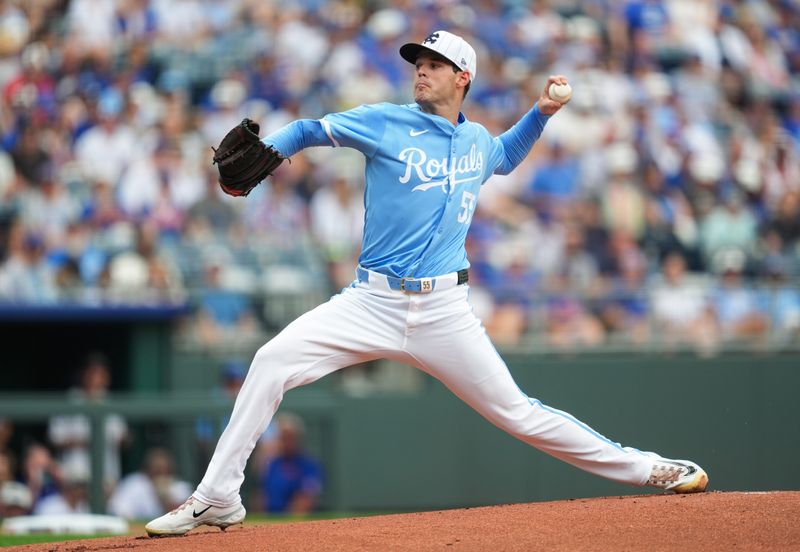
435	332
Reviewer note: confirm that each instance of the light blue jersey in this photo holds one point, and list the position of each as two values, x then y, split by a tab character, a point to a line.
423	175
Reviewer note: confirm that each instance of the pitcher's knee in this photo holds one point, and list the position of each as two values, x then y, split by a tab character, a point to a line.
270	363
275	353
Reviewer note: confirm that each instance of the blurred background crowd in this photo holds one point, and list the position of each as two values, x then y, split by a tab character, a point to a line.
662	206
52	476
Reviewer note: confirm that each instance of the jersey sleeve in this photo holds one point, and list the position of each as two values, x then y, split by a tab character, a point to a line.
360	128
511	147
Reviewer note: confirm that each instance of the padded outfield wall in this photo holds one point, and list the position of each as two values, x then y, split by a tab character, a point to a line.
421	448
736	415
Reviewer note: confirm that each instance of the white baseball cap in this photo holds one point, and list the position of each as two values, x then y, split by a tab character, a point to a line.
451	46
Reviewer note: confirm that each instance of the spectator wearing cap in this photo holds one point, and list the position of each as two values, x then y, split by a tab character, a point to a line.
681	307
278	211
265	80
773	258
622	200
26	276
741	311
588	213
49	207
512	283
71	433
207	429
140	273
670	223
161	186
730	225
223	108
224	310
578	270
291	481
623	307
92	25
32	90
105	151
776	266
784	307
384	28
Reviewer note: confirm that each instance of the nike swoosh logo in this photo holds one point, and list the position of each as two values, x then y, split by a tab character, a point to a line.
417	132
197	514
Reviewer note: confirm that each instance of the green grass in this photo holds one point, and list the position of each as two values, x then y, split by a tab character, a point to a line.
137	529
19	540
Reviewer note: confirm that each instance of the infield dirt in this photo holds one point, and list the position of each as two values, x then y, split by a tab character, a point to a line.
718	521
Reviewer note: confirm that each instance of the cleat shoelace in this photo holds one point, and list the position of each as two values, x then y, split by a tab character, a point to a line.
664	475
188	502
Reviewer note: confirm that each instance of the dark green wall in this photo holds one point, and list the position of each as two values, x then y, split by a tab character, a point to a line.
736	415
44	348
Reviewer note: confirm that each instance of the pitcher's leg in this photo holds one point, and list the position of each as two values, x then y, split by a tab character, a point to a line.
332	336
459	353
553	431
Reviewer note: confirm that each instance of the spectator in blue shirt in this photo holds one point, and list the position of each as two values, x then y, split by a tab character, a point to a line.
555	181
740	309
291	481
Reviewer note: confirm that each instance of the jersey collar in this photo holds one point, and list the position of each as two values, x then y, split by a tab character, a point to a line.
438	119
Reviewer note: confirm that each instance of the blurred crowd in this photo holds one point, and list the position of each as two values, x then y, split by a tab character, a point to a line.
662	205
52	476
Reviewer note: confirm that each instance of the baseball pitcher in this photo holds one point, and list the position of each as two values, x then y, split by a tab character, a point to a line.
425	165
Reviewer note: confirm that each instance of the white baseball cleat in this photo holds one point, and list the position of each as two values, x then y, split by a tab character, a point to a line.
678	476
194	513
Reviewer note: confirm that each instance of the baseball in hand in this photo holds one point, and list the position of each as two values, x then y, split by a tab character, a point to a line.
560	92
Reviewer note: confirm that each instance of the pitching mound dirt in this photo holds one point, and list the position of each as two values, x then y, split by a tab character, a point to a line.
712	521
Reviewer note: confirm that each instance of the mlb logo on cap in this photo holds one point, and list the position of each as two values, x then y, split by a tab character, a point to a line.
451	46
